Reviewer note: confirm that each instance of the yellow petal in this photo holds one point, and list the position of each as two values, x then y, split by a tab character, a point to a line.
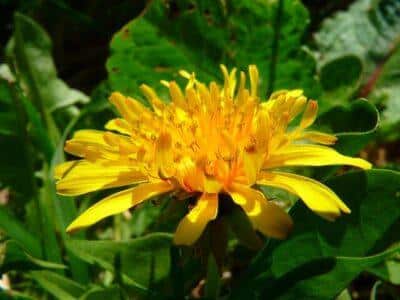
118	203
312	155
254	80
89	135
191	227
310	114
298	104
176	94
120	102
81	177
119	125
90	144
314	194
267	217
242	87
153	98
251	165
164	157
262	131
63	168
319	137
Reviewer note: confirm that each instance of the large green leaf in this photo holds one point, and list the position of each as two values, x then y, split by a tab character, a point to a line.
200	35
320	258
322	278
369	29
135	256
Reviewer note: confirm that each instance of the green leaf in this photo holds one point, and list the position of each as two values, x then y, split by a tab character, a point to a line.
353	132
345	295
14	163
340	79
320	258
13	169
389	271
387	94
7	123
322	278
14	296
110	293
135	256
15	257
32	60
198	36
24	182
57	285
17	231
8	120
369	29
340	120
144	217
36	130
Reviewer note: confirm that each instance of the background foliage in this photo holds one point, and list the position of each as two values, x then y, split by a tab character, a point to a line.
61	59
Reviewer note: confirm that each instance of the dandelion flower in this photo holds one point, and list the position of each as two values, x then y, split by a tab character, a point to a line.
206	141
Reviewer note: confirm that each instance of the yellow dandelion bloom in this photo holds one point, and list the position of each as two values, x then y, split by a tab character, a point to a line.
206	141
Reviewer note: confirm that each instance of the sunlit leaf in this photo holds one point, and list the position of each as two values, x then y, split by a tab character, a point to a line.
198	36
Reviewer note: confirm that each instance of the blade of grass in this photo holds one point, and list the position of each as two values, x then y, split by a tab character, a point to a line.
50	247
16	231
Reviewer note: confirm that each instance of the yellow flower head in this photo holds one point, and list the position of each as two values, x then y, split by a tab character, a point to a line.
206	141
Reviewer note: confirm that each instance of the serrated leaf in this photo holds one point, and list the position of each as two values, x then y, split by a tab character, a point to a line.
387	94
369	29
198	36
